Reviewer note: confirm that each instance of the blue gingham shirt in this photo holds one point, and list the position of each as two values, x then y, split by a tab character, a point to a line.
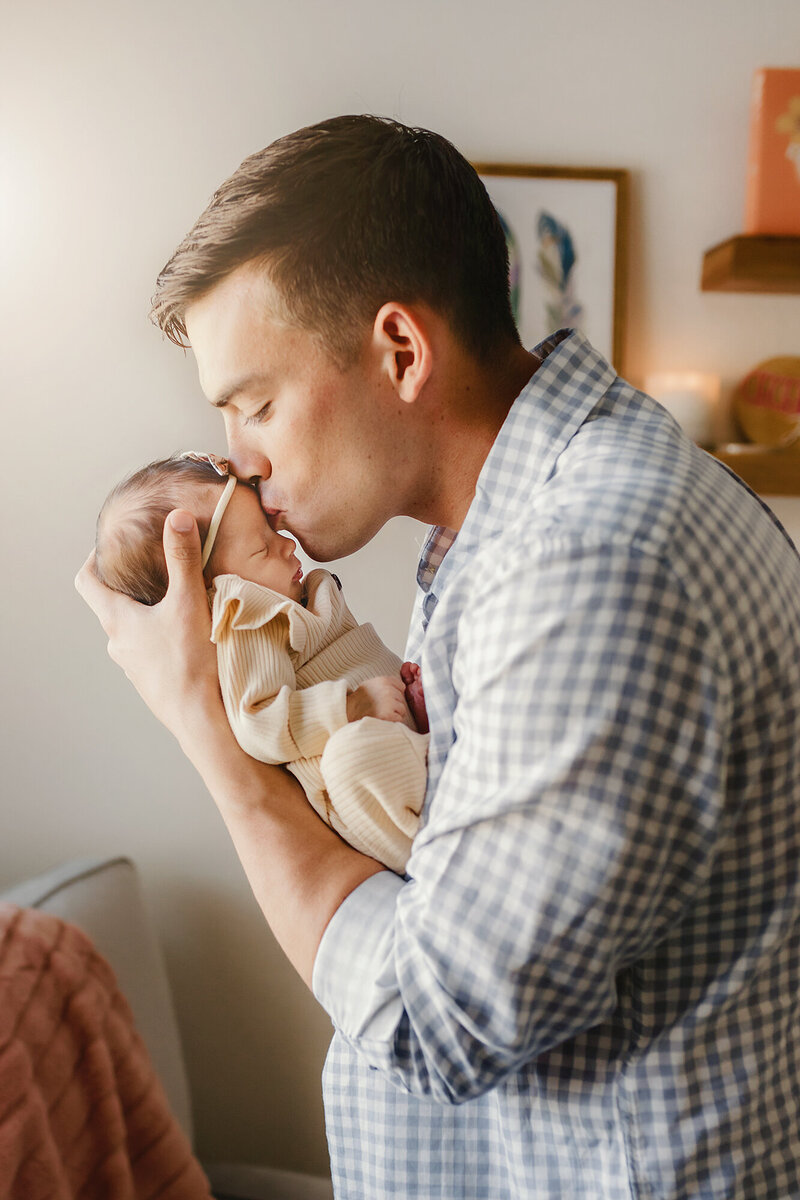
588	985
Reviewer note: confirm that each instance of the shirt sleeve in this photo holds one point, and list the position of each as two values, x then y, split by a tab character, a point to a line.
271	720
575	818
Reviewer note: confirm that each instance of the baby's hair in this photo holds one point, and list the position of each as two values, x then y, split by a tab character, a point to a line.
129	551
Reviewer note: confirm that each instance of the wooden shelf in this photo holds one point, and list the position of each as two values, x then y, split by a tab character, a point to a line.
768	472
752	264
757	263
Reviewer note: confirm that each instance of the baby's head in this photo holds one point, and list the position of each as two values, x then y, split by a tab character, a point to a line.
129	546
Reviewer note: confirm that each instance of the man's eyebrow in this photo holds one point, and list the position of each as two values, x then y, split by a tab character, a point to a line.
241	385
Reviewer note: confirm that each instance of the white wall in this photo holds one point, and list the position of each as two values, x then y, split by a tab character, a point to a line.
119	121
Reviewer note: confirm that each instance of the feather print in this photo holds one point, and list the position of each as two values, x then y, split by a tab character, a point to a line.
555	264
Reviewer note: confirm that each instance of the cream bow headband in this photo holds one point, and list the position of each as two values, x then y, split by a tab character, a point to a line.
220	465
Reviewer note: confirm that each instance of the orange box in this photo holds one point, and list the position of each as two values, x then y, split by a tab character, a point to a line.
772	203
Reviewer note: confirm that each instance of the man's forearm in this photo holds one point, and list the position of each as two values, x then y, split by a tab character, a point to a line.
300	871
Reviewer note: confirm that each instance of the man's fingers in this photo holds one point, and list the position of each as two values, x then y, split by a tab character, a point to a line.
86	571
104	603
182	551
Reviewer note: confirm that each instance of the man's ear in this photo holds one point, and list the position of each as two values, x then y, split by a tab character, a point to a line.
402	339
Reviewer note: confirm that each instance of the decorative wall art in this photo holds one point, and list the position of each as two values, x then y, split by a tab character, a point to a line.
565	228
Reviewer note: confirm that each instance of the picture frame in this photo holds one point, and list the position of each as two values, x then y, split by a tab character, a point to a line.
566	229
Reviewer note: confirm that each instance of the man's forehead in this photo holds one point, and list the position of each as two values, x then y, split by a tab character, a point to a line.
229	331
245	292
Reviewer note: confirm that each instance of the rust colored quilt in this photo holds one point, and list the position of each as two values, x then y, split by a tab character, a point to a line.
82	1112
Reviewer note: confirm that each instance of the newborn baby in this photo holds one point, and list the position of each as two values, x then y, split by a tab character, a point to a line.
302	682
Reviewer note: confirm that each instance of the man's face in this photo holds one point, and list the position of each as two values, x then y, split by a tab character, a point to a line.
310	436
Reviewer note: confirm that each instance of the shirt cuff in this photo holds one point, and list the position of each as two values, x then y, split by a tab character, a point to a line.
354	978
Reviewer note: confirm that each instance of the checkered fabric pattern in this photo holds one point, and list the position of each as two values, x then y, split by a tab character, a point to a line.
588	985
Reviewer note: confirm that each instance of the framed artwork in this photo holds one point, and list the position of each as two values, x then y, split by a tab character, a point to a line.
566	234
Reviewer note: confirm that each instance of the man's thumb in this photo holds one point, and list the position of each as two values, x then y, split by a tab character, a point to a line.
181	545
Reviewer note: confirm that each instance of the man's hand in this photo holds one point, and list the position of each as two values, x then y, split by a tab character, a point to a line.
166	650
383	697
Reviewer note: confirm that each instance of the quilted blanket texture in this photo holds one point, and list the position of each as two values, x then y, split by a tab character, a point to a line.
82	1112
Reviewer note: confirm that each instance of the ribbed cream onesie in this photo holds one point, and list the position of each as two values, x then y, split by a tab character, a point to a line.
285	671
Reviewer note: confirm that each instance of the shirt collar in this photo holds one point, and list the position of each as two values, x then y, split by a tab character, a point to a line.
572	379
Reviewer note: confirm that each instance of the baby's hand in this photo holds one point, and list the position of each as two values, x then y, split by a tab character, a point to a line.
383	697
415	696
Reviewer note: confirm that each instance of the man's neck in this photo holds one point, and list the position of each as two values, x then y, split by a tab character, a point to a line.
472	418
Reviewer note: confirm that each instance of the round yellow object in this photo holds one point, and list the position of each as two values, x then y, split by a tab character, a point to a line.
767	402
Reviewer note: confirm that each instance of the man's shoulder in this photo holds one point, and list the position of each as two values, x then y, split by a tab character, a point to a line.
628	494
630	476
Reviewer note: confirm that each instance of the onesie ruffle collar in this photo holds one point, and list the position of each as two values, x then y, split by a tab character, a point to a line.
241	604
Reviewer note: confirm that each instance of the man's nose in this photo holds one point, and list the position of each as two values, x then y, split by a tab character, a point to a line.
247	462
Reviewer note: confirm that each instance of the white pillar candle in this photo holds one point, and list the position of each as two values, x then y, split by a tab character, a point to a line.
692	397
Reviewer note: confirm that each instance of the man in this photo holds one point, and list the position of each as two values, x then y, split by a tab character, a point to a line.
587	985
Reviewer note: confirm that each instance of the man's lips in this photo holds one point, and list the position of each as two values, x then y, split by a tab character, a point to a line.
266	500
274	516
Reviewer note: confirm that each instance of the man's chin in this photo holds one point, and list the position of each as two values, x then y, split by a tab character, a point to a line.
321	551
319	546
316	553
310	546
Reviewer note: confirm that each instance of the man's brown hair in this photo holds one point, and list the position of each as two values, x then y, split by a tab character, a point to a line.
344	216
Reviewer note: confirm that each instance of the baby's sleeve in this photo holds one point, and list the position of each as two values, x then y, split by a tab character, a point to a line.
271	720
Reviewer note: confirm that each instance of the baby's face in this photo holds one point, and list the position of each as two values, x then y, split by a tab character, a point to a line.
248	546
